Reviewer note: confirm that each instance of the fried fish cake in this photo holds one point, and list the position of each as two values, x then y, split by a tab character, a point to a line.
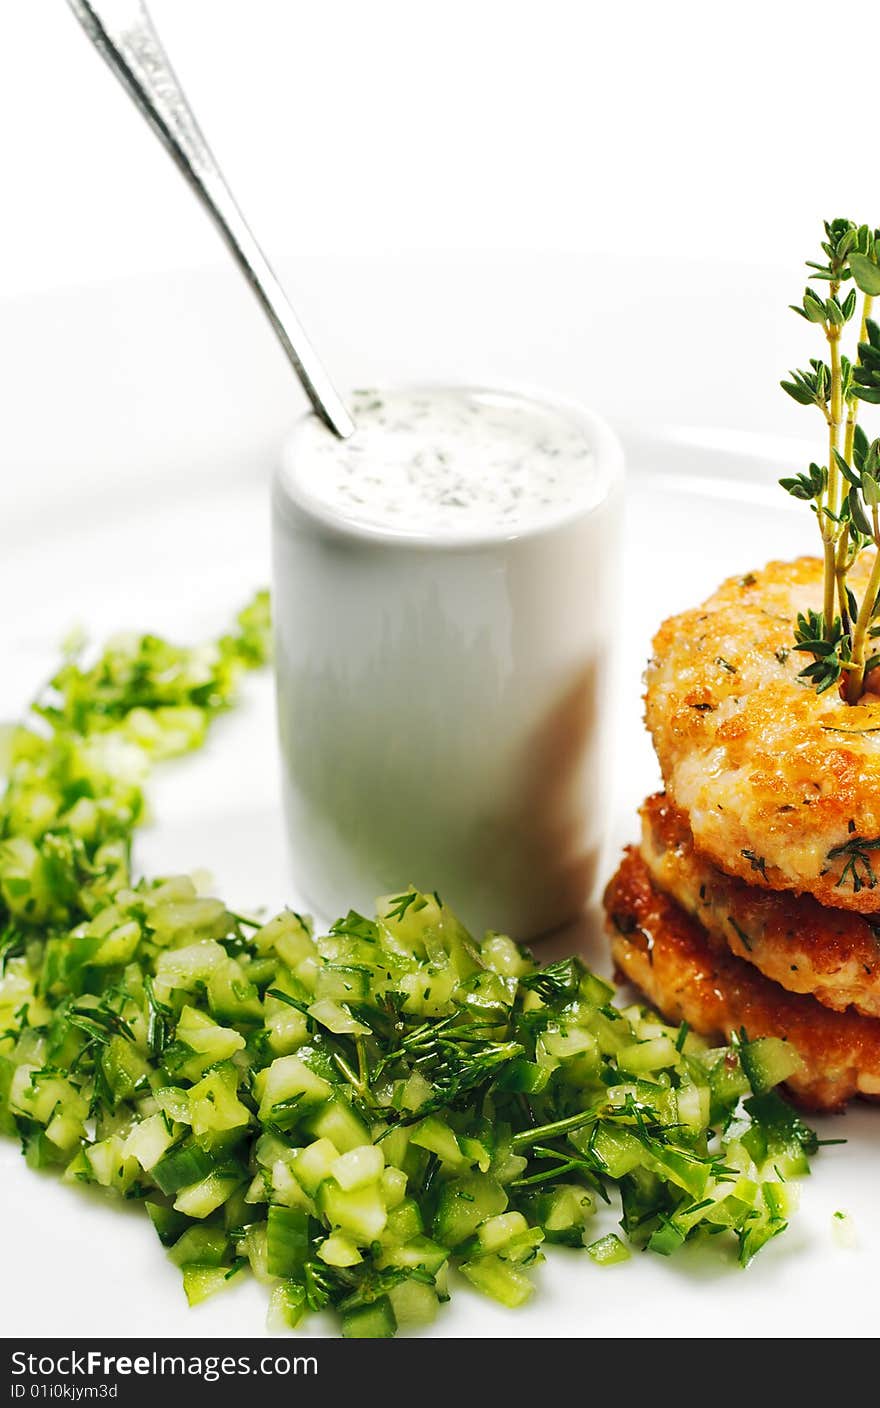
665	953
832	954
769	772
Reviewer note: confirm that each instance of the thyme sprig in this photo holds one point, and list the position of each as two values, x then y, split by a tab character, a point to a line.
844	493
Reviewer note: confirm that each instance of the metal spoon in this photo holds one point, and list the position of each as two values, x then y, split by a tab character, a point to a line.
123	34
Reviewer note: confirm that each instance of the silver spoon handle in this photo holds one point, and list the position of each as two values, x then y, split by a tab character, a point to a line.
123	34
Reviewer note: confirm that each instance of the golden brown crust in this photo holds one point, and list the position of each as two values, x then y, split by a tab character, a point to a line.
759	762
666	954
832	954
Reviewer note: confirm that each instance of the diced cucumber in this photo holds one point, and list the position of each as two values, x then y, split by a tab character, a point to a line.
313	1164
36	1095
257	1190
230	996
287	1241
183	1165
498	1279
593	990
207	1246
732	1208
503	956
777	1136
64	1131
342	983
288	1029
395	1145
678	1167
124	1067
694	1106
337	1018
289	936
200	1282
188	966
236	1210
428	992
370	1322
464	1203
253	1246
358	1167
339	1250
652	1055
173	1102
768	1061
169	1225
172	918
528	1077
360	1212
506	1166
565	1042
475	1151
416	1091
418	1252
617	1149
214	1104
404	1222
487	994
756	1234
608	1250
287	1305
414	1303
438	1138
667	1238
118	946
497	1231
393	1183
200	1032
287	1189
563	1212
202	1198
286	1089
148	1140
781	1198
337	1121
728	1083
524	1248
110	1166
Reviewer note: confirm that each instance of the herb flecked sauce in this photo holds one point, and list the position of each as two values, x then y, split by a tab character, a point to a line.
449	460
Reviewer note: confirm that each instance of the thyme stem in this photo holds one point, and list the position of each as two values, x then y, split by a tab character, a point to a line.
832	529
852	401
856	677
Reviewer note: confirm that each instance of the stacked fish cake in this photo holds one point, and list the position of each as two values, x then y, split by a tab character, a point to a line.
753	900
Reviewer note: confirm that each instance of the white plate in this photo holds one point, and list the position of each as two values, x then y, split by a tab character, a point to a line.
135	446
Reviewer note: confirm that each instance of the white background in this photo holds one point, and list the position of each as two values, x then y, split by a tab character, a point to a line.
682	128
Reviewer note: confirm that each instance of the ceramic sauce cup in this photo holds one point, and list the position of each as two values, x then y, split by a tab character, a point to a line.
444	589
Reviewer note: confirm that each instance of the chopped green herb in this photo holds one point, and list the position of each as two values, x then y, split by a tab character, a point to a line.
757	862
740	932
858	869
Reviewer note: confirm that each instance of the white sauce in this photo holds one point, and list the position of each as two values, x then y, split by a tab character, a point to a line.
449	461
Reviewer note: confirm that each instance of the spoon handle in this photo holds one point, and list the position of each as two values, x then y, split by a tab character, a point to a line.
123	34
